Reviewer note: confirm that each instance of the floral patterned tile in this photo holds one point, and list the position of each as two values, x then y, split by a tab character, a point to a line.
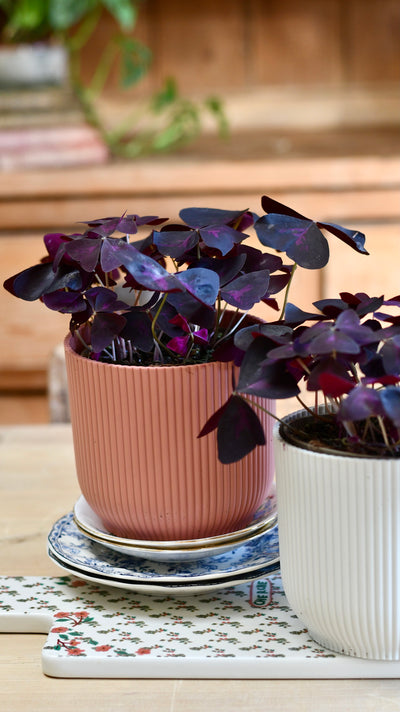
246	631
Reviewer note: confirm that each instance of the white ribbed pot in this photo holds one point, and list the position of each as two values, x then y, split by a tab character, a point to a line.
339	539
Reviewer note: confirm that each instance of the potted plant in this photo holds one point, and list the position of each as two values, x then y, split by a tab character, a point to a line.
337	464
150	356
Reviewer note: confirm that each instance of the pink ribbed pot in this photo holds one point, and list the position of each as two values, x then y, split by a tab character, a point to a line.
141	466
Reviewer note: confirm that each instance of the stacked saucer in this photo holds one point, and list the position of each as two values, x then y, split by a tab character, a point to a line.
79	544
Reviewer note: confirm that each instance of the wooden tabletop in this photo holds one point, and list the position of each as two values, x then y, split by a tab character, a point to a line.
37	486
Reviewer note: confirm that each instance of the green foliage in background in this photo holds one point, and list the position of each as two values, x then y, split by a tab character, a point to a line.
177	120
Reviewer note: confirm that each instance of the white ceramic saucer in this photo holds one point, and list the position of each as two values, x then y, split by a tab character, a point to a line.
68	544
190	549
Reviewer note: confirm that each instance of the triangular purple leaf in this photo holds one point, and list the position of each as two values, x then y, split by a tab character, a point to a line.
110	258
270	205
246	290
221	237
266	380
105	328
175	244
213	421
294	315
193	310
137	330
353	238
202	217
239	431
103	299
257	260
85	251
147	272
390	353
390	399
65	302
202	283
362	402
301	239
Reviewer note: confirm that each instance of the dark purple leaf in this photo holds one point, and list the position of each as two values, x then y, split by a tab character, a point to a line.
221	237
175	244
277	282
227	268
202	283
53	240
105	328
85	251
192	309
65	302
246	290
301	239
213	421
127	224
105	300
362	402
274	332
334	341
333	367
353	238
331	308
32	283
369	305
79	318
239	431
165	320
110	258
202	217
257	260
270	205
137	330
271	380
147	272
294	315
390	353
227	351
349	323
390	399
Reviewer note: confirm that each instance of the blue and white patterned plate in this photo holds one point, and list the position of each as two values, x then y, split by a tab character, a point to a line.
73	548
189	588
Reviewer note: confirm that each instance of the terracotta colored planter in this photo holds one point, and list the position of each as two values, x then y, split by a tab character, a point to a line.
139	462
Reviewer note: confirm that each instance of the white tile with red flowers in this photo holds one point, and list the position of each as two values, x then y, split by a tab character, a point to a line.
248	631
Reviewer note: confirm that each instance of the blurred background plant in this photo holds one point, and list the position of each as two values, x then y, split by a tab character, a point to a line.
164	121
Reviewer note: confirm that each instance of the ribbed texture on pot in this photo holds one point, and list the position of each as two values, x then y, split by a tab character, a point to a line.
139	462
339	536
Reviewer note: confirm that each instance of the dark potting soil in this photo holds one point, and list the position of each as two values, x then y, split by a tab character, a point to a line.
324	434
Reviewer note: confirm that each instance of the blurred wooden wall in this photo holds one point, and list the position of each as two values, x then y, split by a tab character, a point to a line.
228	47
225	45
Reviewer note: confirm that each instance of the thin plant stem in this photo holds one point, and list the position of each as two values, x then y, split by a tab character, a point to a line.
282	314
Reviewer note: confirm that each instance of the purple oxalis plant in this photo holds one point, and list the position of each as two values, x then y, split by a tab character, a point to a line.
181	295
